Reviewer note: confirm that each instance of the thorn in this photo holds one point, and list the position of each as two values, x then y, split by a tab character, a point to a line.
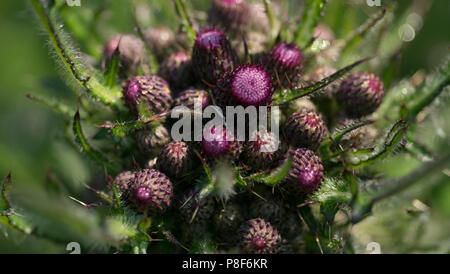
78	201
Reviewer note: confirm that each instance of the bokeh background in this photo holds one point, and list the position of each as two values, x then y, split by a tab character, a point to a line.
32	147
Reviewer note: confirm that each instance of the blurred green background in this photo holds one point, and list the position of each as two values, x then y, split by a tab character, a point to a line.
30	143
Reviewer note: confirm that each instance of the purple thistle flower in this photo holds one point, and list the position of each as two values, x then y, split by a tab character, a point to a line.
151	90
175	159
305	128
150	140
218	142
151	191
306	173
360	94
177	70
186	98
285	62
212	55
123	180
259	154
258	236
246	85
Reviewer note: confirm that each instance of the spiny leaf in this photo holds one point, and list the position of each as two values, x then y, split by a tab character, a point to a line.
82	24
4	202
68	56
116	199
125	128
86	147
288	96
112	69
337	135
276	175
186	22
394	137
65	110
331	195
364	203
310	18
16	221
356	37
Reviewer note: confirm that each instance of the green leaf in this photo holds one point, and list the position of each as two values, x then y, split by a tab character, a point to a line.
275	176
112	69
86	147
15	221
5	205
288	96
394	137
69	57
310	18
337	135
331	195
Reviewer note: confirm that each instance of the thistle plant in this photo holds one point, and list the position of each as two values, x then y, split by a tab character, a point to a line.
323	177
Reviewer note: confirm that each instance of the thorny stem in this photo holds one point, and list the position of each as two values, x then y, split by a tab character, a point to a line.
91	84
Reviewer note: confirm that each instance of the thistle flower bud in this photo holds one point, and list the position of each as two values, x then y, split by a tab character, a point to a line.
160	41
285	62
132	53
218	142
305	128
360	94
151	191
151	140
231	15
246	85
306	173
150	90
177	70
265	152
175	159
196	210
123	180
212	55
187	98
258	236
